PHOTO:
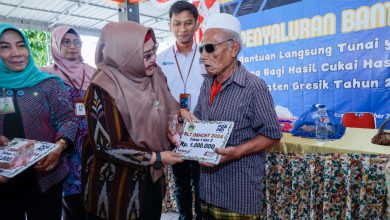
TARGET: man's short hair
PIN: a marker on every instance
(180, 6)
(233, 36)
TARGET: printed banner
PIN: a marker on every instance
(335, 53)
(205, 9)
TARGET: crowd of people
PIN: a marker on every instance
(112, 124)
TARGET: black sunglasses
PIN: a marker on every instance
(209, 48)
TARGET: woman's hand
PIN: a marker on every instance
(3, 140)
(167, 157)
(3, 179)
(51, 160)
(174, 134)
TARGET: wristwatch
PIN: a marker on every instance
(158, 164)
(63, 142)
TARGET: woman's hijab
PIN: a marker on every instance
(144, 102)
(72, 72)
(29, 77)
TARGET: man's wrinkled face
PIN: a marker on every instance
(221, 56)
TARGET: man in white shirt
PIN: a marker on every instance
(184, 70)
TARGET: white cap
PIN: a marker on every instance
(224, 21)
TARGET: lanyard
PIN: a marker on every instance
(71, 82)
(189, 70)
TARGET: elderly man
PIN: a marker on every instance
(232, 189)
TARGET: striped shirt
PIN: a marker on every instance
(244, 98)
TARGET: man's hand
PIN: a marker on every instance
(228, 154)
(3, 140)
(51, 160)
(252, 146)
(205, 164)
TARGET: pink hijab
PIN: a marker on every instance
(66, 69)
(144, 102)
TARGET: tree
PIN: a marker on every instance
(40, 46)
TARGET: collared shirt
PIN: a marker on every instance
(244, 99)
(166, 60)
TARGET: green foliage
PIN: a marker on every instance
(39, 46)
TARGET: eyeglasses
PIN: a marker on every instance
(68, 43)
(151, 52)
(209, 48)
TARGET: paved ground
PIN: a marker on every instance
(169, 216)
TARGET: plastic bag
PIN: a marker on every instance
(305, 125)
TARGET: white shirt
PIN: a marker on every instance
(166, 60)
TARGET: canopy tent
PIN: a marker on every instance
(87, 16)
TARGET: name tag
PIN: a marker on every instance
(79, 107)
(7, 105)
(185, 101)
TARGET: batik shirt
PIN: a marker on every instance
(46, 115)
(72, 184)
(113, 169)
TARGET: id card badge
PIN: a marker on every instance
(7, 105)
(79, 107)
(185, 101)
